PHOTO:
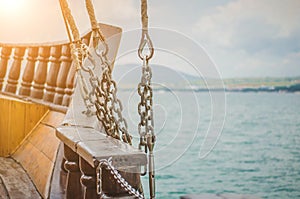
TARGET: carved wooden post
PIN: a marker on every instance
(29, 71)
(74, 188)
(41, 73)
(88, 179)
(14, 72)
(70, 86)
(5, 54)
(62, 74)
(53, 71)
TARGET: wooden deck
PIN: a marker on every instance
(15, 183)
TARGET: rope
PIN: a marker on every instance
(145, 39)
(144, 15)
(69, 22)
(93, 20)
(66, 23)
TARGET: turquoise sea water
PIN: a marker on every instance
(258, 152)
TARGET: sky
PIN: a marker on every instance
(244, 38)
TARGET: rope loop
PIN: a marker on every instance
(145, 39)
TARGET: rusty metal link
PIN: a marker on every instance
(146, 125)
(145, 109)
(107, 164)
(101, 92)
(109, 109)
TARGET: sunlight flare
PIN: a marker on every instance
(11, 6)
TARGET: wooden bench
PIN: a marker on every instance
(37, 82)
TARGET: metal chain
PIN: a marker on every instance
(109, 107)
(145, 107)
(107, 164)
(79, 53)
(146, 125)
(145, 110)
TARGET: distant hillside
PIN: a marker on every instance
(128, 76)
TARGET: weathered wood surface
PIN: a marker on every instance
(219, 196)
(84, 141)
(37, 154)
(3, 190)
(59, 178)
(16, 182)
(84, 148)
(73, 186)
(17, 119)
(93, 145)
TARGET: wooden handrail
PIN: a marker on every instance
(43, 72)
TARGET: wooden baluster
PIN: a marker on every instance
(14, 73)
(5, 54)
(52, 75)
(74, 188)
(70, 86)
(29, 71)
(88, 179)
(62, 74)
(41, 73)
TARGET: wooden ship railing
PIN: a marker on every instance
(37, 82)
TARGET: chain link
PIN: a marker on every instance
(146, 125)
(102, 93)
(109, 107)
(107, 164)
(145, 109)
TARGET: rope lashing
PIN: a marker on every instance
(97, 33)
(145, 39)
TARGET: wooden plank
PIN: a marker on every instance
(53, 118)
(16, 120)
(17, 124)
(38, 152)
(93, 145)
(34, 113)
(122, 154)
(38, 166)
(72, 135)
(5, 106)
(43, 139)
(3, 191)
(16, 181)
(59, 178)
